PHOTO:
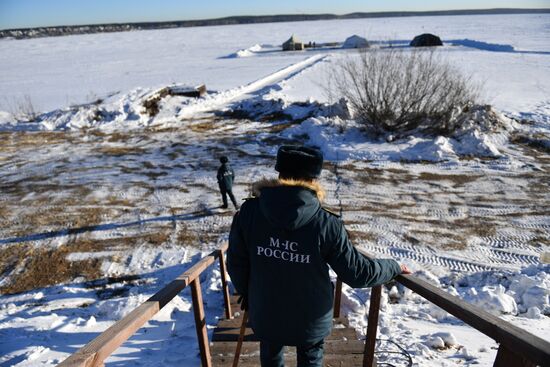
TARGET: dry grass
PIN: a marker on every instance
(360, 236)
(538, 185)
(277, 128)
(155, 175)
(174, 155)
(388, 209)
(200, 185)
(116, 201)
(376, 176)
(458, 179)
(444, 238)
(148, 165)
(163, 130)
(203, 127)
(535, 141)
(27, 267)
(4, 210)
(118, 137)
(155, 238)
(118, 151)
(212, 237)
(36, 268)
(24, 186)
(481, 228)
(349, 167)
(539, 241)
(470, 226)
(112, 137)
(186, 237)
(18, 140)
(59, 217)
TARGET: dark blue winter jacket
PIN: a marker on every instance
(225, 177)
(281, 245)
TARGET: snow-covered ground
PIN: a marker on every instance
(103, 189)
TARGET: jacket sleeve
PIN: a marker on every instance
(238, 263)
(219, 176)
(355, 269)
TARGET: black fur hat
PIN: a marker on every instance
(224, 159)
(299, 161)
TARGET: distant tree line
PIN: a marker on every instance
(120, 27)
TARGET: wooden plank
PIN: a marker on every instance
(225, 286)
(506, 357)
(329, 360)
(236, 322)
(228, 348)
(372, 326)
(100, 348)
(200, 323)
(536, 349)
(331, 347)
(241, 339)
(232, 334)
(337, 298)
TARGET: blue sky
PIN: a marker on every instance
(33, 13)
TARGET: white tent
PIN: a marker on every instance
(355, 42)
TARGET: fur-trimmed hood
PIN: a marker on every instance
(314, 186)
(288, 204)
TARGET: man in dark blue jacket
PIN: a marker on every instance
(225, 178)
(280, 247)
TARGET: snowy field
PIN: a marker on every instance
(102, 203)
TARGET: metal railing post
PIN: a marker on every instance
(225, 287)
(200, 323)
(372, 327)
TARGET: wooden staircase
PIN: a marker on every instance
(342, 348)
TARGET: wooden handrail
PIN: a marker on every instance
(517, 346)
(518, 340)
(99, 349)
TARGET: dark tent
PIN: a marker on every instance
(426, 40)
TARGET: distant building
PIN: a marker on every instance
(293, 44)
(426, 40)
(355, 42)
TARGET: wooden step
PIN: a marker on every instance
(237, 321)
(342, 349)
(330, 360)
(232, 334)
(331, 347)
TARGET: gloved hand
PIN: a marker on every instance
(244, 303)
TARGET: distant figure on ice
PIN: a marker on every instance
(225, 178)
(281, 244)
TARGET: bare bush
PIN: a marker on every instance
(393, 90)
(21, 108)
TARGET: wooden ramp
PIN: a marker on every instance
(342, 348)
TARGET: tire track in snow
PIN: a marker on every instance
(444, 261)
(509, 244)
